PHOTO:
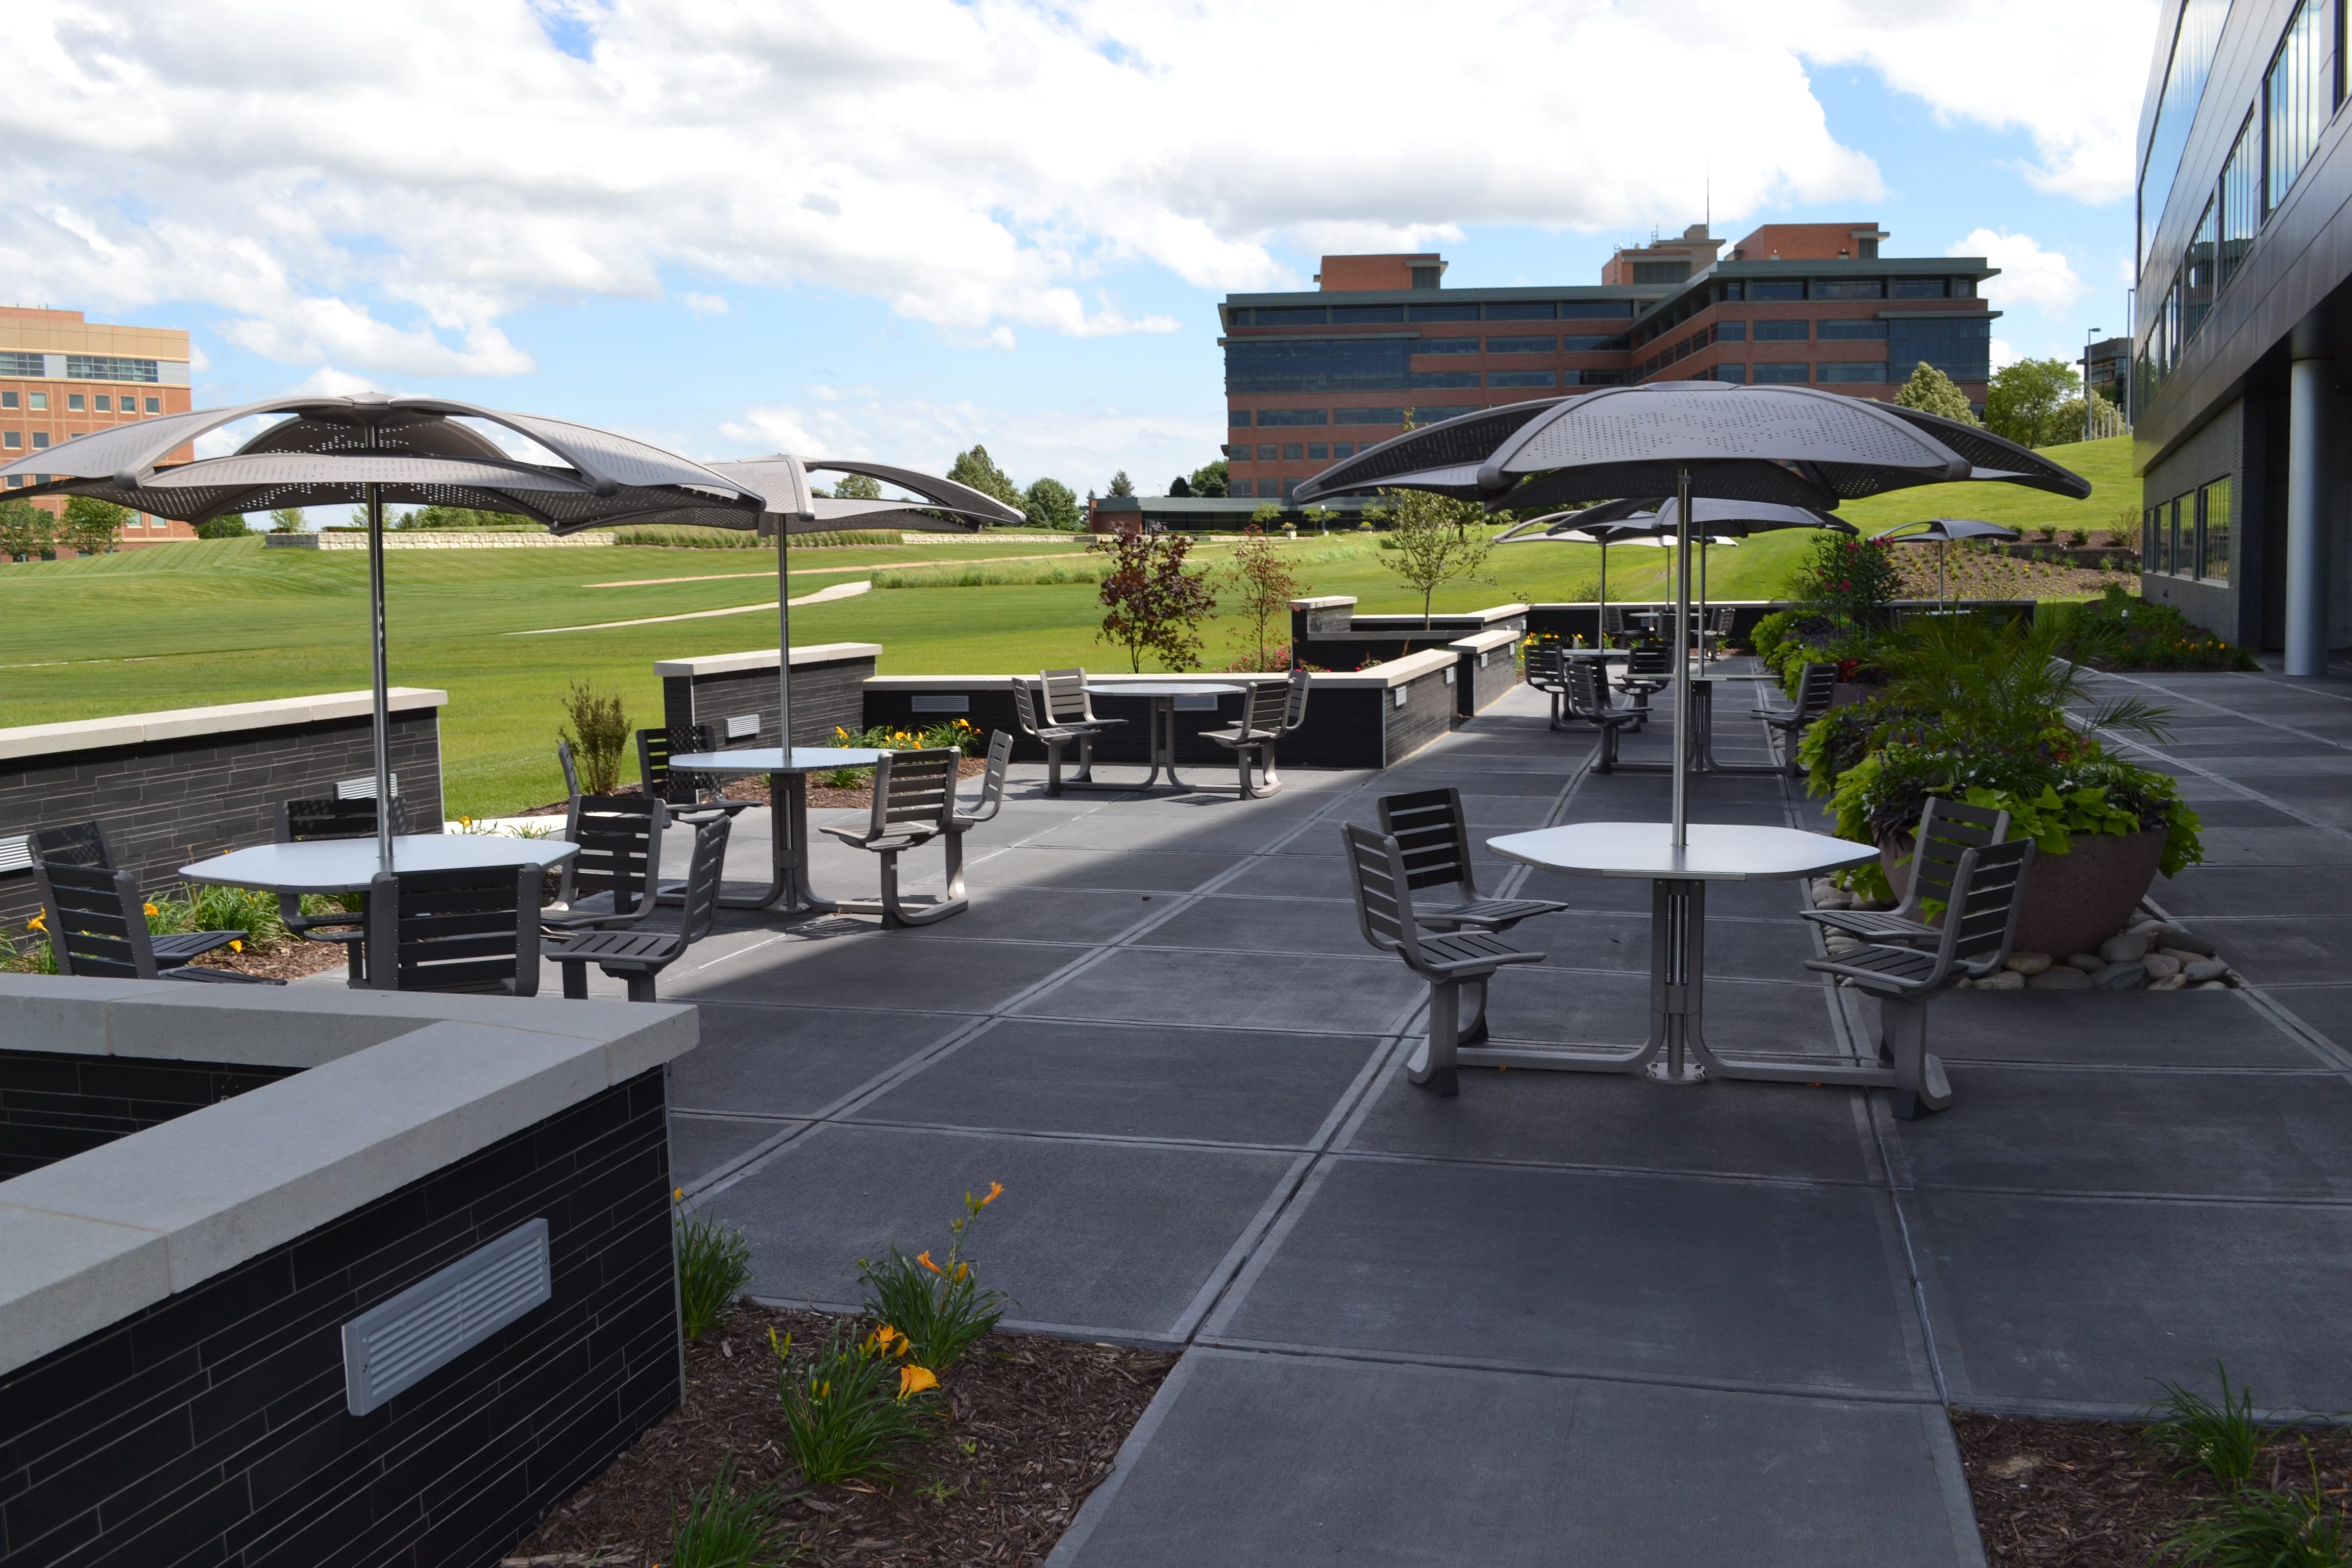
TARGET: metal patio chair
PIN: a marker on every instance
(1588, 700)
(1433, 835)
(1649, 669)
(991, 801)
(691, 797)
(455, 931)
(615, 880)
(914, 800)
(1056, 738)
(634, 954)
(1268, 712)
(1816, 689)
(1979, 924)
(1947, 829)
(331, 816)
(1456, 964)
(571, 772)
(1545, 669)
(96, 921)
(1067, 702)
(72, 844)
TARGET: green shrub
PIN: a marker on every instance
(1040, 574)
(940, 1307)
(685, 536)
(2120, 631)
(721, 1528)
(2255, 1526)
(851, 1409)
(600, 729)
(714, 1264)
(2220, 1438)
(32, 954)
(1851, 581)
(229, 527)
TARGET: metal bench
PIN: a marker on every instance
(1269, 712)
(1979, 926)
(455, 931)
(914, 799)
(1455, 964)
(1816, 689)
(1433, 835)
(634, 954)
(96, 921)
(1947, 829)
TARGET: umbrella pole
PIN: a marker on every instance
(382, 692)
(1601, 611)
(783, 639)
(1682, 656)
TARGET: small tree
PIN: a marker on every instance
(1211, 479)
(1179, 487)
(1149, 601)
(1316, 517)
(980, 471)
(598, 732)
(1930, 391)
(452, 519)
(1120, 485)
(1852, 581)
(1265, 582)
(1433, 541)
(93, 527)
(1267, 515)
(26, 530)
(1049, 503)
(229, 525)
(857, 486)
(2023, 402)
(286, 520)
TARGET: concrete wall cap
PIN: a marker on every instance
(181, 724)
(1479, 642)
(1327, 602)
(1402, 671)
(765, 658)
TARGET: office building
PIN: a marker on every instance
(1311, 377)
(61, 377)
(2244, 324)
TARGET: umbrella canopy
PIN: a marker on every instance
(370, 448)
(1942, 531)
(1789, 446)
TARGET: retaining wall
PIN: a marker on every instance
(735, 693)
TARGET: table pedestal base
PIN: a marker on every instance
(787, 891)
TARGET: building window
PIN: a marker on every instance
(7, 400)
(1265, 454)
(154, 405)
(1783, 332)
(2213, 506)
(1866, 370)
(1960, 347)
(1592, 378)
(1288, 485)
(1319, 452)
(1849, 332)
(1239, 418)
(1849, 289)
(1522, 378)
(107, 367)
(2148, 539)
(1441, 313)
(101, 402)
(2196, 33)
(13, 440)
(1342, 449)
(1777, 289)
(1448, 378)
(1731, 372)
(12, 362)
(1288, 316)
(1543, 311)
(1239, 488)
(1583, 345)
(1660, 272)
(1365, 313)
(1266, 417)
(1731, 331)
(1578, 309)
(1917, 288)
(38, 399)
(1292, 452)
(2196, 277)
(1367, 417)
(2242, 201)
(1531, 346)
(1446, 346)
(73, 403)
(1317, 365)
(1240, 452)
(1780, 373)
(2299, 93)
(1732, 290)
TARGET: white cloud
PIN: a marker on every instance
(2004, 352)
(2028, 274)
(703, 304)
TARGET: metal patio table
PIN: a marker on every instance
(1703, 758)
(1163, 695)
(788, 891)
(349, 865)
(1676, 1050)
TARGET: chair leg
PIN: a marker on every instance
(1920, 1084)
(1472, 1027)
(1431, 1066)
(895, 914)
(575, 980)
(1607, 762)
(1085, 760)
(1242, 770)
(955, 892)
(641, 987)
(1053, 769)
(1269, 782)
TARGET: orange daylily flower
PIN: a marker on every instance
(995, 1191)
(152, 909)
(963, 1271)
(924, 1259)
(915, 1379)
(39, 922)
(236, 947)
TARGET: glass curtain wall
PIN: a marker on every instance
(2242, 200)
(2193, 42)
(2299, 94)
(2213, 506)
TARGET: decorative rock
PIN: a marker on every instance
(2182, 955)
(2186, 940)
(2169, 983)
(1835, 898)
(2121, 977)
(2206, 970)
(2212, 985)
(2150, 927)
(2027, 962)
(2160, 967)
(1841, 945)
(1877, 906)
(2088, 963)
(2006, 980)
(2127, 948)
(2059, 979)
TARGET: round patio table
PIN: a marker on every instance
(788, 891)
(349, 865)
(1676, 1050)
(1163, 695)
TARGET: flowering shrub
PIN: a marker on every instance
(850, 1408)
(2120, 631)
(1849, 581)
(940, 1306)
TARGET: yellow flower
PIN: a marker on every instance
(821, 1390)
(680, 1195)
(924, 1259)
(878, 1341)
(236, 946)
(915, 1379)
(39, 922)
(963, 1271)
(152, 909)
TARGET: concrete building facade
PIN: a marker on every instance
(1312, 377)
(61, 376)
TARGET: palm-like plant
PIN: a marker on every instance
(2000, 684)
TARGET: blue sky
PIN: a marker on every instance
(1020, 236)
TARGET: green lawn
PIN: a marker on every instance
(228, 621)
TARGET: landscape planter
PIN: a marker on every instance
(2073, 901)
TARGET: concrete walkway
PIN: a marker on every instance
(1561, 1318)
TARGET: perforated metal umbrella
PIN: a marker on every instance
(1789, 445)
(370, 448)
(1940, 531)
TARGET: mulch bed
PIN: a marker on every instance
(2091, 1494)
(286, 960)
(1043, 1419)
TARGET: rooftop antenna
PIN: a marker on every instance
(1707, 218)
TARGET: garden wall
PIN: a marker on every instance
(828, 680)
(176, 786)
(174, 1384)
(1568, 621)
(1328, 634)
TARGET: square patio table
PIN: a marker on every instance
(1163, 695)
(788, 891)
(1676, 1050)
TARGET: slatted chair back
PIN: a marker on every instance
(702, 873)
(1432, 837)
(1816, 689)
(1546, 666)
(1587, 697)
(1024, 706)
(331, 816)
(620, 849)
(1947, 829)
(1065, 696)
(1294, 710)
(95, 920)
(1613, 620)
(571, 771)
(455, 931)
(1981, 920)
(1650, 660)
(991, 783)
(914, 792)
(1265, 707)
(1720, 619)
(71, 843)
(653, 763)
(1383, 890)
(654, 749)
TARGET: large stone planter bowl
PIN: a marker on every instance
(2073, 901)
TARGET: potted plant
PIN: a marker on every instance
(1977, 711)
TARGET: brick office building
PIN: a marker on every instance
(1313, 377)
(61, 377)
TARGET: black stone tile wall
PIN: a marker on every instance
(823, 696)
(1479, 685)
(1427, 714)
(211, 1427)
(54, 1105)
(167, 802)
